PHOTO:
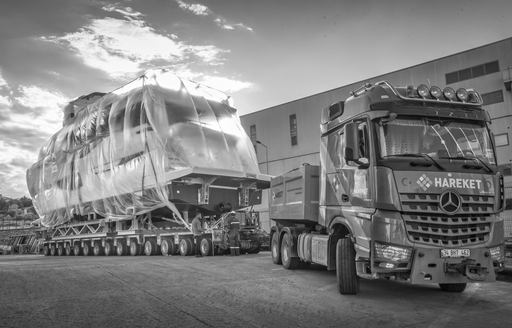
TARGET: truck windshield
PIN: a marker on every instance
(435, 138)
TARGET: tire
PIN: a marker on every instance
(206, 247)
(347, 279)
(77, 250)
(68, 250)
(121, 247)
(53, 250)
(86, 249)
(150, 247)
(109, 248)
(166, 247)
(289, 262)
(60, 250)
(46, 250)
(274, 248)
(453, 288)
(97, 249)
(185, 247)
(134, 248)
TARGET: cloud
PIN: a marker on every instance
(202, 10)
(126, 11)
(3, 82)
(30, 115)
(225, 84)
(196, 8)
(123, 47)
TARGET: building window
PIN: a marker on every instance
(252, 135)
(293, 129)
(505, 169)
(472, 72)
(501, 139)
(493, 97)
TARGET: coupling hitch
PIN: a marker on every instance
(468, 268)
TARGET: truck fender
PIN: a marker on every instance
(339, 228)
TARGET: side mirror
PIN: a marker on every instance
(352, 143)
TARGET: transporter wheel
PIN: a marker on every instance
(86, 249)
(347, 279)
(150, 247)
(167, 247)
(53, 250)
(453, 288)
(77, 250)
(206, 247)
(121, 247)
(60, 250)
(67, 249)
(109, 248)
(289, 262)
(46, 250)
(134, 248)
(274, 247)
(185, 247)
(97, 249)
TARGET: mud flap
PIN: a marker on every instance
(469, 269)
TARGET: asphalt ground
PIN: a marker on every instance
(224, 291)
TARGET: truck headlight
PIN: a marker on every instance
(496, 253)
(392, 253)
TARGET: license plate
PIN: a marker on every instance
(458, 252)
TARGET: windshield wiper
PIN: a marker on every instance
(467, 158)
(419, 155)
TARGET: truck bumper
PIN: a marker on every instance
(428, 266)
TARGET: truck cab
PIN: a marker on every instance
(408, 183)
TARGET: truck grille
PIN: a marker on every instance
(427, 223)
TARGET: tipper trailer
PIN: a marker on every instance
(128, 166)
(407, 188)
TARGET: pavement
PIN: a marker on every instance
(224, 291)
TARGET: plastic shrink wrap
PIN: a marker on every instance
(159, 142)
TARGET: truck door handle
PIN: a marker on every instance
(345, 198)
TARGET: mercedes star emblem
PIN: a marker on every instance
(450, 202)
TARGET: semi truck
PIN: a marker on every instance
(407, 189)
(127, 167)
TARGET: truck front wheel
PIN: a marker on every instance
(289, 262)
(348, 282)
(453, 288)
(274, 246)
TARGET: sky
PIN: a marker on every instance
(261, 52)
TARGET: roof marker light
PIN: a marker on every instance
(436, 92)
(449, 93)
(423, 91)
(462, 94)
(473, 96)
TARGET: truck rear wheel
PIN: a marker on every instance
(109, 248)
(453, 288)
(97, 249)
(121, 247)
(53, 250)
(134, 248)
(86, 249)
(206, 247)
(185, 247)
(77, 250)
(67, 249)
(289, 262)
(348, 282)
(274, 246)
(150, 247)
(60, 250)
(46, 250)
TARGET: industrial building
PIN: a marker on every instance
(288, 135)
